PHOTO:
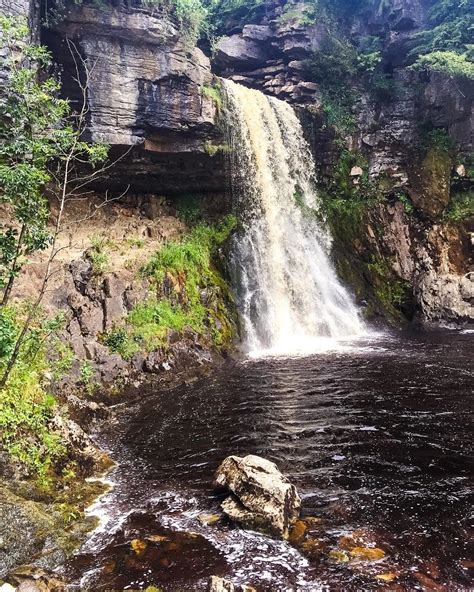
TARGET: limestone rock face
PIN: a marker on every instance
(430, 183)
(262, 498)
(144, 81)
(146, 92)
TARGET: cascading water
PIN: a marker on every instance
(289, 297)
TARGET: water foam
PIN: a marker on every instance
(289, 296)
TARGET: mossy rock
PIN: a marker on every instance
(430, 182)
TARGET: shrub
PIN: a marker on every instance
(97, 254)
(449, 63)
(26, 408)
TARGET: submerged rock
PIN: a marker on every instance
(262, 497)
(209, 519)
(217, 584)
(35, 579)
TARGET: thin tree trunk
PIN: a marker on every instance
(32, 313)
(11, 279)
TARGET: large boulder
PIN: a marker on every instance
(262, 498)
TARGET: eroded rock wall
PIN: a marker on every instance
(151, 91)
(146, 96)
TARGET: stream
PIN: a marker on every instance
(375, 434)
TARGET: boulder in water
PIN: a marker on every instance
(262, 497)
(217, 584)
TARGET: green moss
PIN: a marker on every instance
(189, 293)
(212, 149)
(392, 292)
(214, 93)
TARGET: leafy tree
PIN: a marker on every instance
(446, 46)
(449, 63)
(43, 159)
(30, 118)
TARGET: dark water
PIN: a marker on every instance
(377, 439)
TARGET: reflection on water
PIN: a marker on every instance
(375, 439)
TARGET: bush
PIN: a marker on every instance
(26, 408)
(449, 63)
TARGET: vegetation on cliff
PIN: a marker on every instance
(187, 293)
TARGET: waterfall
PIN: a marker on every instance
(289, 297)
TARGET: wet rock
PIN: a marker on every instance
(79, 445)
(34, 579)
(217, 584)
(313, 548)
(386, 577)
(298, 531)
(428, 584)
(209, 519)
(367, 553)
(262, 498)
(20, 520)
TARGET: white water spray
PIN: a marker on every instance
(289, 297)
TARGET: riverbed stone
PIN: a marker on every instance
(262, 498)
(217, 584)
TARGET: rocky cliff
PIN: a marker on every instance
(380, 146)
(393, 173)
(155, 98)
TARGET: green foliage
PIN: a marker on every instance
(188, 208)
(298, 14)
(192, 16)
(461, 207)
(26, 408)
(333, 64)
(337, 108)
(406, 201)
(86, 372)
(190, 293)
(97, 254)
(8, 332)
(30, 114)
(449, 63)
(214, 93)
(226, 14)
(62, 359)
(391, 291)
(446, 45)
(37, 133)
(436, 138)
(450, 27)
(383, 88)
